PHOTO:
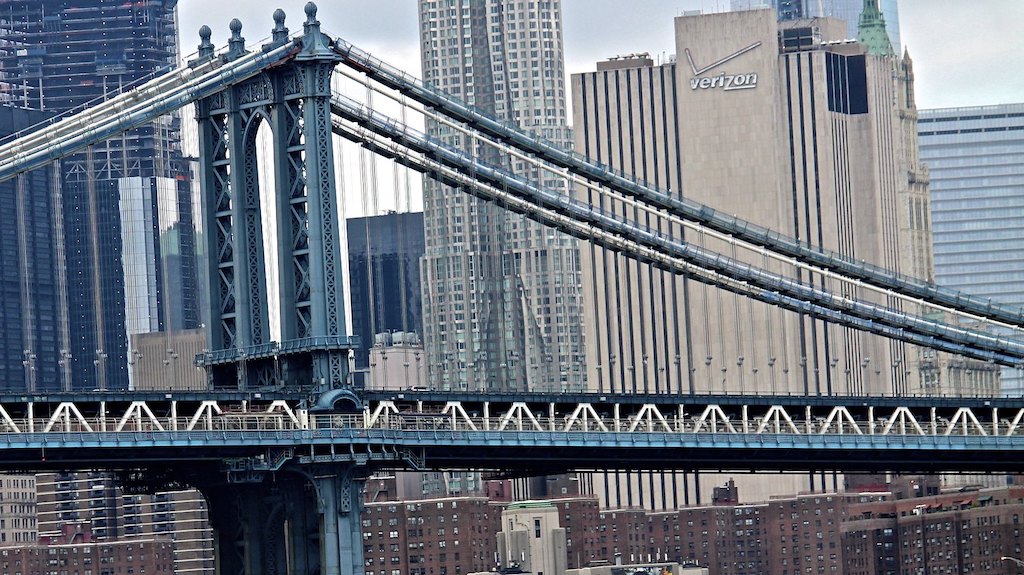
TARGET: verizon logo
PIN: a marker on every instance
(723, 80)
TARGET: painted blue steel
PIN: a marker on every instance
(130, 110)
(271, 349)
(522, 449)
(676, 205)
(775, 289)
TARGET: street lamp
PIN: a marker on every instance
(1013, 560)
(172, 366)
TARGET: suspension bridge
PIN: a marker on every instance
(281, 426)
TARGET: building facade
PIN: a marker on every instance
(34, 338)
(909, 526)
(65, 500)
(791, 127)
(449, 536)
(531, 538)
(73, 551)
(384, 255)
(17, 510)
(501, 294)
(975, 159)
(166, 360)
(128, 233)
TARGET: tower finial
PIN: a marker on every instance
(280, 33)
(236, 44)
(205, 45)
(314, 43)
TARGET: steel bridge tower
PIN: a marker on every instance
(268, 519)
(293, 99)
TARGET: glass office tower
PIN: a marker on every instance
(975, 158)
(128, 233)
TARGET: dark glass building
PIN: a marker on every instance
(129, 240)
(384, 264)
(33, 310)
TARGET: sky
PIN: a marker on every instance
(965, 52)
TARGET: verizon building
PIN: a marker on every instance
(792, 127)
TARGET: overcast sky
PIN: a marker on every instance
(965, 53)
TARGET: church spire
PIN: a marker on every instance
(871, 30)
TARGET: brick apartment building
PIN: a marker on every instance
(73, 551)
(958, 532)
(449, 536)
(909, 528)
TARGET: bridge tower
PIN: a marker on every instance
(272, 515)
(293, 99)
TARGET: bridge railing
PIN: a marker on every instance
(541, 414)
(685, 425)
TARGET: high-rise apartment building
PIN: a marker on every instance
(17, 510)
(792, 127)
(501, 294)
(34, 340)
(975, 158)
(128, 234)
(848, 11)
(113, 515)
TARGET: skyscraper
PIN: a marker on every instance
(384, 255)
(501, 294)
(33, 300)
(847, 10)
(975, 158)
(791, 127)
(128, 234)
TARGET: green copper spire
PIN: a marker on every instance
(871, 30)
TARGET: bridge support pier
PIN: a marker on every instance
(295, 521)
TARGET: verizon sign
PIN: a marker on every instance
(723, 80)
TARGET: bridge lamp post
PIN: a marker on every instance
(134, 356)
(30, 369)
(65, 369)
(101, 374)
(172, 367)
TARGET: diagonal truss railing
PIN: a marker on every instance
(689, 210)
(453, 166)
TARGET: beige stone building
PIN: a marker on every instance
(398, 362)
(791, 127)
(165, 360)
(531, 538)
(17, 510)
